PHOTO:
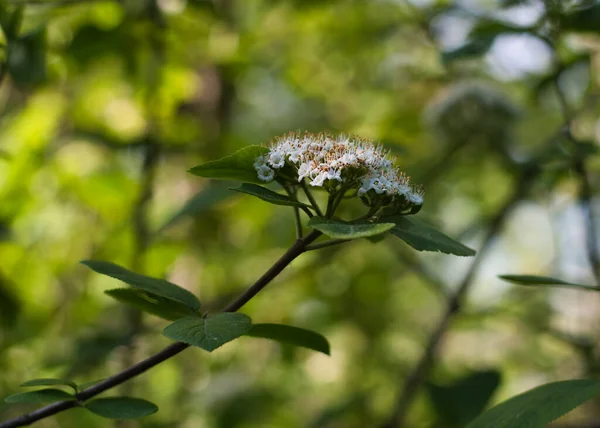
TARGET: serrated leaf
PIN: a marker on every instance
(460, 402)
(202, 201)
(121, 407)
(424, 237)
(156, 286)
(538, 407)
(42, 396)
(48, 382)
(268, 195)
(342, 230)
(238, 166)
(209, 333)
(545, 280)
(151, 303)
(291, 335)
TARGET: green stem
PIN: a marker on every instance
(293, 194)
(311, 198)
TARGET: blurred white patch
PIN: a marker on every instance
(518, 55)
(451, 30)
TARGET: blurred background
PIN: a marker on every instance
(492, 105)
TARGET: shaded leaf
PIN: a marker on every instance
(424, 237)
(238, 166)
(460, 402)
(209, 333)
(342, 230)
(26, 58)
(545, 280)
(469, 50)
(121, 407)
(291, 335)
(156, 286)
(538, 407)
(10, 306)
(42, 396)
(268, 195)
(49, 381)
(151, 303)
(214, 193)
(86, 385)
(582, 19)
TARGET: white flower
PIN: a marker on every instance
(326, 159)
(265, 173)
(276, 159)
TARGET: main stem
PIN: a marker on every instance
(170, 351)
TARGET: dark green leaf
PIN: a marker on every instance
(121, 407)
(26, 58)
(209, 333)
(156, 286)
(538, 407)
(49, 381)
(86, 385)
(342, 230)
(582, 19)
(292, 335)
(469, 50)
(460, 402)
(151, 303)
(268, 195)
(214, 193)
(424, 237)
(10, 306)
(238, 166)
(41, 396)
(545, 280)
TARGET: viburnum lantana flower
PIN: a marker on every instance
(340, 164)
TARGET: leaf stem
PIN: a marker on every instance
(294, 195)
(324, 244)
(170, 351)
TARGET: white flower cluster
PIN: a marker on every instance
(327, 160)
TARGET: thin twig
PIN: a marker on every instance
(311, 198)
(420, 372)
(325, 244)
(293, 194)
(170, 351)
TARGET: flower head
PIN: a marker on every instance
(340, 163)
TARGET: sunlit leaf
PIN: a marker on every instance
(156, 286)
(151, 303)
(424, 237)
(342, 230)
(546, 281)
(268, 195)
(209, 333)
(291, 335)
(42, 396)
(538, 407)
(238, 166)
(121, 407)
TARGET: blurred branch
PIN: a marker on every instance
(420, 372)
(170, 351)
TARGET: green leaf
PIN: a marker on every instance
(582, 19)
(460, 402)
(292, 335)
(49, 381)
(268, 195)
(211, 195)
(209, 333)
(42, 396)
(545, 280)
(121, 407)
(26, 58)
(538, 407)
(424, 237)
(469, 50)
(151, 303)
(238, 166)
(342, 230)
(86, 385)
(156, 286)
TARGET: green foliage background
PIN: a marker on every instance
(105, 106)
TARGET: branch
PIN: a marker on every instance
(420, 372)
(170, 351)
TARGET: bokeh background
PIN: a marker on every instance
(105, 104)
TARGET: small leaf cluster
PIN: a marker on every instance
(109, 407)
